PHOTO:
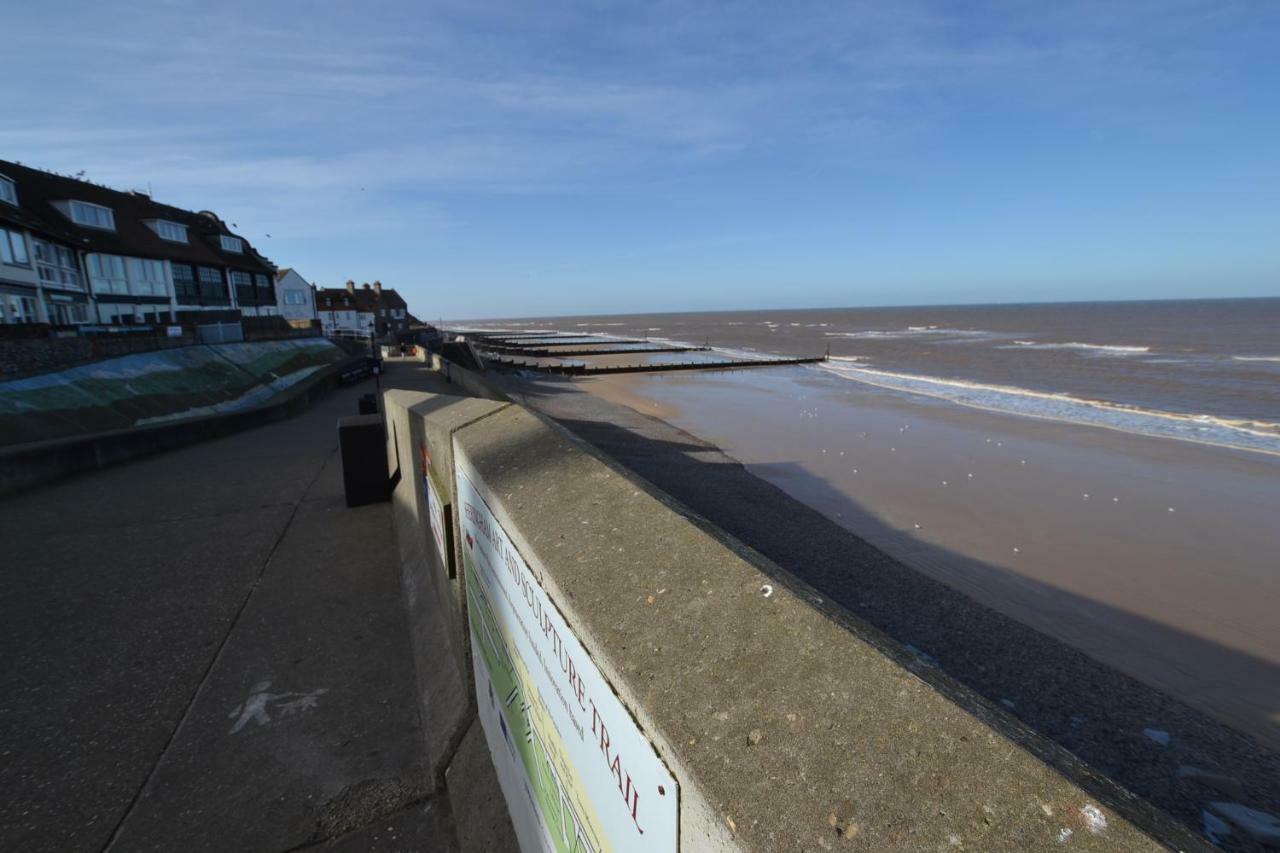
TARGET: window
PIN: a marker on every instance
(212, 287)
(67, 313)
(147, 277)
(93, 215)
(13, 248)
(8, 190)
(171, 231)
(295, 297)
(231, 244)
(243, 283)
(56, 265)
(22, 309)
(184, 283)
(107, 274)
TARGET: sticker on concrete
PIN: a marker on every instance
(263, 707)
(577, 772)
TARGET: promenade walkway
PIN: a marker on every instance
(206, 650)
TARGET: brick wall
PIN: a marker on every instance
(26, 356)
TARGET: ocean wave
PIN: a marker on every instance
(1252, 435)
(1268, 358)
(914, 332)
(1113, 349)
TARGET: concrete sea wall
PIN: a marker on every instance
(637, 680)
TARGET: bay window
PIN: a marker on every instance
(107, 274)
(147, 277)
(56, 265)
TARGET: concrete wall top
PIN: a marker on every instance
(440, 415)
(787, 727)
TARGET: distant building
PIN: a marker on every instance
(295, 296)
(82, 253)
(369, 308)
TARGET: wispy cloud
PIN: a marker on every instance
(373, 118)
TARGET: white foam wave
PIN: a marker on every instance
(1114, 349)
(914, 332)
(1258, 436)
(1268, 358)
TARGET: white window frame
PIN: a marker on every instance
(14, 241)
(8, 190)
(79, 208)
(146, 277)
(109, 274)
(231, 244)
(178, 231)
(56, 265)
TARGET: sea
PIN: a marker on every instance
(1199, 370)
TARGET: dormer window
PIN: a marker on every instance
(8, 191)
(93, 215)
(172, 231)
(231, 244)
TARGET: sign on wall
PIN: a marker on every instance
(577, 772)
(436, 520)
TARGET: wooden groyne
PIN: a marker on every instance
(585, 340)
(600, 370)
(549, 353)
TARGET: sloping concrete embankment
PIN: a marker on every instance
(97, 414)
(787, 724)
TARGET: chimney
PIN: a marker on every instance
(377, 287)
(351, 286)
(366, 285)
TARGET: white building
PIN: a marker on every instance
(295, 297)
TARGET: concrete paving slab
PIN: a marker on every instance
(424, 828)
(307, 725)
(106, 636)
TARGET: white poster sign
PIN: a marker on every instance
(578, 774)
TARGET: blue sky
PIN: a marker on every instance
(519, 158)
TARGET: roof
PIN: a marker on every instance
(39, 190)
(364, 299)
(282, 272)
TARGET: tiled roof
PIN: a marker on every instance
(364, 299)
(39, 190)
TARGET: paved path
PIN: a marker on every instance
(206, 650)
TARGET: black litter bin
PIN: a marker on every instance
(363, 445)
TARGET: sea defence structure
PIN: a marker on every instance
(642, 681)
(499, 349)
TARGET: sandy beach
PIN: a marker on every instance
(1155, 556)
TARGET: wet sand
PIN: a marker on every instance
(1155, 556)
